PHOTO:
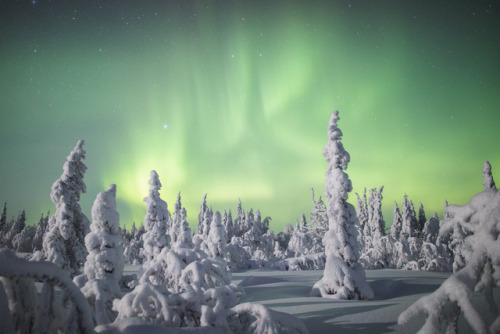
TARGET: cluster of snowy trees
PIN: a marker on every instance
(183, 281)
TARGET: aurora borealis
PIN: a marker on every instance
(233, 98)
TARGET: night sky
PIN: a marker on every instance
(233, 99)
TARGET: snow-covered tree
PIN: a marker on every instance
(409, 224)
(239, 221)
(64, 241)
(156, 221)
(41, 228)
(227, 221)
(105, 262)
(442, 308)
(431, 229)
(133, 251)
(23, 241)
(421, 218)
(202, 215)
(217, 238)
(488, 181)
(363, 226)
(375, 217)
(180, 233)
(397, 222)
(15, 229)
(343, 277)
(318, 217)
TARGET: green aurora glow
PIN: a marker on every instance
(233, 98)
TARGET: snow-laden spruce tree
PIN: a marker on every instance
(64, 241)
(363, 226)
(156, 220)
(100, 282)
(343, 277)
(481, 251)
(15, 229)
(318, 217)
(397, 222)
(180, 233)
(41, 227)
(488, 181)
(227, 221)
(217, 239)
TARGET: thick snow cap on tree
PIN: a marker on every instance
(105, 262)
(344, 277)
(156, 220)
(64, 242)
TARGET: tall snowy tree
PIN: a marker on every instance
(343, 277)
(318, 217)
(376, 219)
(409, 220)
(201, 216)
(364, 228)
(105, 262)
(397, 222)
(15, 229)
(156, 220)
(421, 218)
(227, 221)
(488, 182)
(64, 241)
(180, 233)
(41, 227)
(217, 238)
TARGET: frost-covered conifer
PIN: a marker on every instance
(217, 238)
(105, 262)
(488, 181)
(431, 229)
(397, 222)
(409, 225)
(180, 232)
(421, 219)
(376, 219)
(15, 229)
(343, 277)
(239, 221)
(64, 241)
(201, 215)
(156, 220)
(363, 226)
(41, 228)
(23, 241)
(134, 251)
(227, 221)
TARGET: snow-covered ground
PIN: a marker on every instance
(395, 290)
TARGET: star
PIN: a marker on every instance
(165, 126)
